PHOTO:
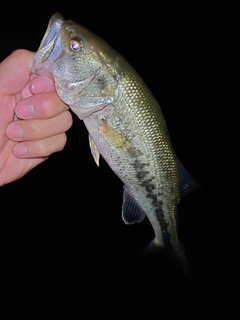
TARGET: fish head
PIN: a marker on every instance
(81, 63)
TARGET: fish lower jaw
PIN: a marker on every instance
(40, 70)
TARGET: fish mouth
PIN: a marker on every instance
(50, 47)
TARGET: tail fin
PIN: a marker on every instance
(178, 257)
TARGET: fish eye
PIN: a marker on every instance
(76, 45)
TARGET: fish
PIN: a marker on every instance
(125, 126)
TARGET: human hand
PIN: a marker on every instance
(33, 120)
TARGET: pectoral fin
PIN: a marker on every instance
(94, 150)
(115, 138)
(131, 212)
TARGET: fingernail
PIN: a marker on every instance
(20, 150)
(14, 131)
(41, 84)
(24, 110)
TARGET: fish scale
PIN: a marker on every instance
(146, 152)
(125, 125)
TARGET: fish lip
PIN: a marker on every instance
(50, 47)
(53, 28)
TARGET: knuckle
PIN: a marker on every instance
(42, 149)
(47, 107)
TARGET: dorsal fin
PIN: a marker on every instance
(131, 211)
(187, 183)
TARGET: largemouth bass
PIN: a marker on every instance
(125, 125)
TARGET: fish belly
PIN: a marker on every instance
(141, 168)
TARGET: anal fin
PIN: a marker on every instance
(131, 211)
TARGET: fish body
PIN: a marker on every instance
(124, 121)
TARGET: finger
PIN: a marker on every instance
(16, 66)
(40, 148)
(38, 129)
(41, 106)
(40, 84)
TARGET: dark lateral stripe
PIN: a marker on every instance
(146, 180)
(161, 219)
(164, 228)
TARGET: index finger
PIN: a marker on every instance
(39, 84)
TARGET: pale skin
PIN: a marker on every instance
(33, 120)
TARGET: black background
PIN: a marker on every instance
(61, 223)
